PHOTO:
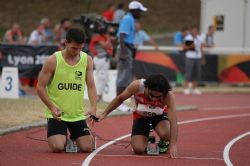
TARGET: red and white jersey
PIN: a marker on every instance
(144, 107)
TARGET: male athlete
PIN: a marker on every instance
(154, 104)
(61, 86)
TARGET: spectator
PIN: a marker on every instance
(119, 13)
(141, 36)
(37, 36)
(65, 26)
(208, 38)
(14, 35)
(179, 37)
(56, 33)
(101, 46)
(194, 59)
(108, 14)
(47, 31)
(126, 48)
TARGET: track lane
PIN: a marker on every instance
(201, 155)
(16, 149)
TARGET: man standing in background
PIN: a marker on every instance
(179, 36)
(126, 47)
(194, 59)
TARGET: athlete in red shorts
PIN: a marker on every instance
(154, 104)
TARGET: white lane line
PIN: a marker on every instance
(224, 108)
(213, 118)
(91, 155)
(200, 158)
(229, 145)
(147, 156)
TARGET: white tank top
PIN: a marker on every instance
(144, 107)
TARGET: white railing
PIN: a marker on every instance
(215, 50)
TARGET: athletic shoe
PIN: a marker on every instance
(123, 108)
(187, 91)
(71, 146)
(196, 91)
(163, 146)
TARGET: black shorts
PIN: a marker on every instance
(76, 129)
(141, 125)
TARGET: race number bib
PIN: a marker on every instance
(148, 110)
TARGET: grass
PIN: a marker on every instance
(21, 111)
(26, 110)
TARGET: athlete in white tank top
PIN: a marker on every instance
(153, 97)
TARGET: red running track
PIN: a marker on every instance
(205, 135)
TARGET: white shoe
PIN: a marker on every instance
(123, 108)
(187, 91)
(196, 91)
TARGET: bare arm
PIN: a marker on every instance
(91, 86)
(9, 38)
(173, 124)
(128, 92)
(106, 44)
(44, 77)
(152, 42)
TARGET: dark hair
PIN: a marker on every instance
(210, 27)
(195, 27)
(64, 20)
(75, 34)
(157, 82)
(120, 6)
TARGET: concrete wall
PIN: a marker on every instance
(236, 32)
(247, 36)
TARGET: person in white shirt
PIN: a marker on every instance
(37, 36)
(193, 48)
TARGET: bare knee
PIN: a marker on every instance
(56, 147)
(139, 144)
(85, 144)
(86, 149)
(57, 143)
(138, 149)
